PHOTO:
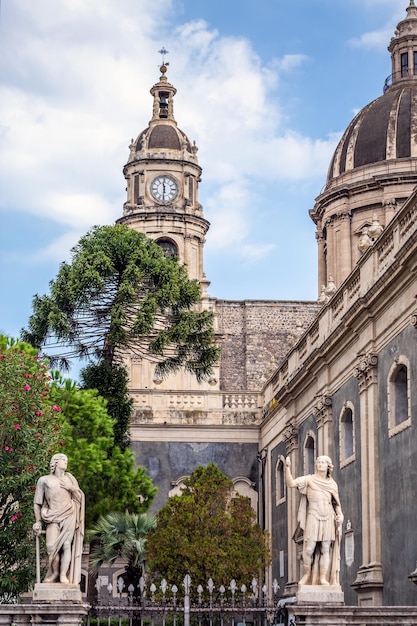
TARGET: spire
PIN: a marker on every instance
(163, 94)
(403, 48)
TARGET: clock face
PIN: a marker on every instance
(164, 188)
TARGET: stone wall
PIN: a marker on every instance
(255, 336)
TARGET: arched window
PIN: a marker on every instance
(309, 454)
(399, 398)
(347, 434)
(279, 483)
(168, 246)
(245, 487)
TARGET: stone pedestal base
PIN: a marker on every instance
(323, 594)
(56, 592)
(369, 584)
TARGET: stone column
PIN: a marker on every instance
(324, 419)
(291, 449)
(369, 580)
(322, 278)
(344, 255)
(390, 207)
(331, 252)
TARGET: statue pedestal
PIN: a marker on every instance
(323, 594)
(56, 592)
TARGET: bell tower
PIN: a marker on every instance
(163, 176)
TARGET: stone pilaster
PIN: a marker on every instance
(369, 579)
(323, 414)
(291, 448)
(322, 277)
(344, 263)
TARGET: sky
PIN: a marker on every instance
(264, 87)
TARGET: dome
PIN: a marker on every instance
(374, 167)
(163, 137)
(384, 130)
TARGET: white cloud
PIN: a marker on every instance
(59, 249)
(374, 39)
(75, 88)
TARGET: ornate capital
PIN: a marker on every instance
(323, 410)
(290, 436)
(413, 319)
(390, 204)
(366, 371)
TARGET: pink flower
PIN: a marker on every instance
(37, 435)
(38, 413)
(26, 387)
(6, 448)
(16, 426)
(54, 407)
(28, 375)
(14, 518)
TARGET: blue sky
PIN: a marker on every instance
(265, 88)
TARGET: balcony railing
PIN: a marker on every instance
(404, 74)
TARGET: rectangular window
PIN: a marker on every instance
(404, 64)
(415, 62)
(136, 189)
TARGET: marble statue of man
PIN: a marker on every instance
(59, 503)
(320, 517)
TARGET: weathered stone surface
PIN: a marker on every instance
(56, 592)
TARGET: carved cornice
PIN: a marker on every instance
(322, 410)
(290, 436)
(338, 217)
(366, 371)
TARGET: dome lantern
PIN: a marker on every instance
(403, 48)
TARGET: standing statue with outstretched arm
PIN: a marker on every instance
(59, 503)
(320, 517)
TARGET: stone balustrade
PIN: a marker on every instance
(378, 264)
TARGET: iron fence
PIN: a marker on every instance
(166, 605)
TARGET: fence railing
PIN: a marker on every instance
(168, 605)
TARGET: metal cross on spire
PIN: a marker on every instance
(163, 52)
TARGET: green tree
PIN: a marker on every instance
(107, 475)
(112, 383)
(121, 292)
(121, 535)
(30, 433)
(208, 531)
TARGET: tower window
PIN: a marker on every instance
(163, 104)
(168, 246)
(404, 64)
(415, 62)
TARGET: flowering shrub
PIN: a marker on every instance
(29, 435)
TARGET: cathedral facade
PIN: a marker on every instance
(333, 377)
